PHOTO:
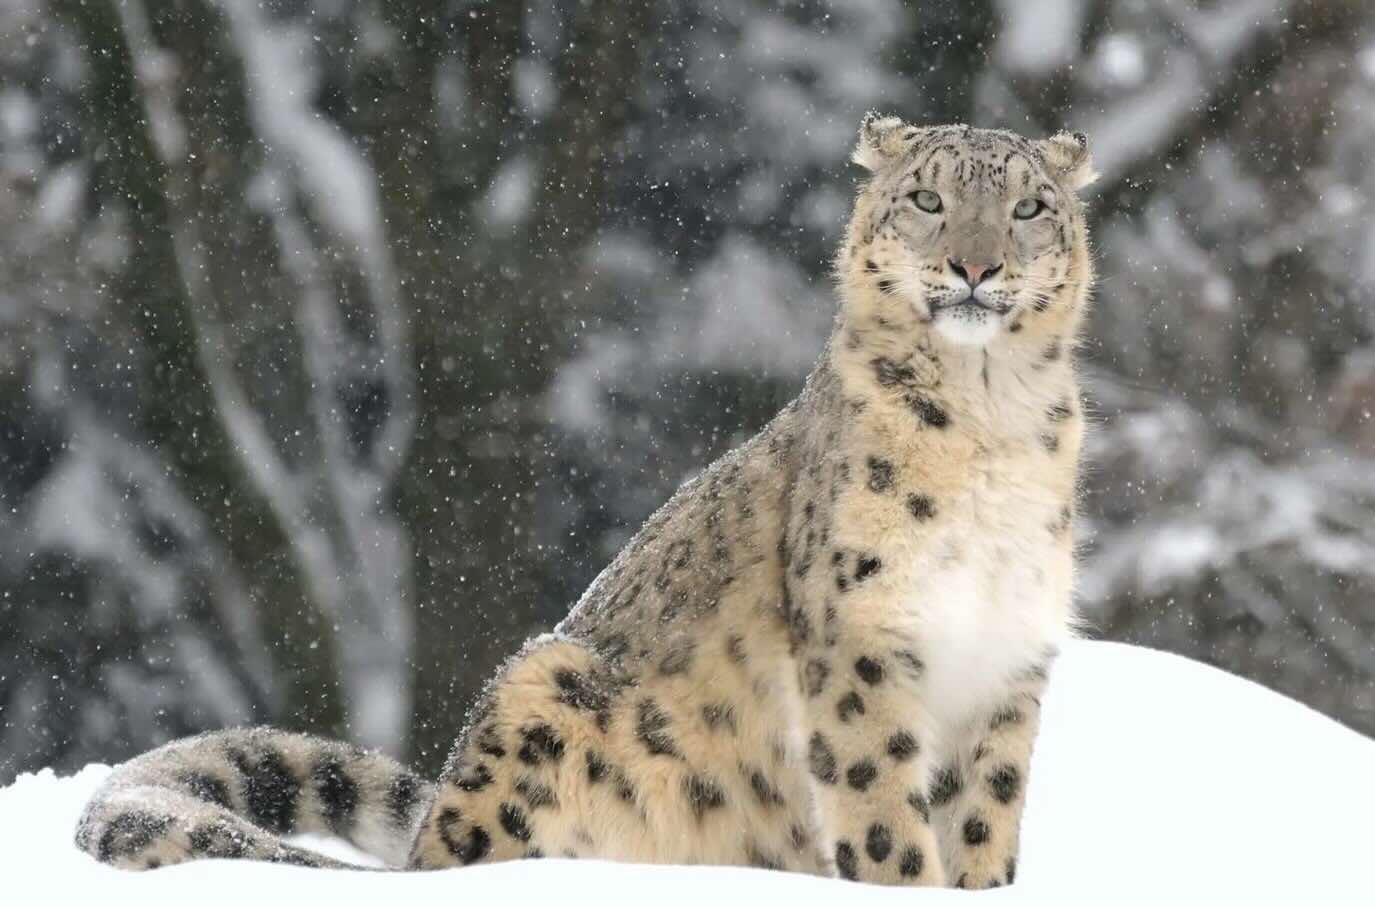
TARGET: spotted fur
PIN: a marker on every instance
(826, 653)
(234, 794)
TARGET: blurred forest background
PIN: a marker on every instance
(342, 342)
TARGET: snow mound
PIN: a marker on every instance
(1154, 776)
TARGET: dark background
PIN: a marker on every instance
(343, 342)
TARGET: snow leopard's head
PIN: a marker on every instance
(976, 235)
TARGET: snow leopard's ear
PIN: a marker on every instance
(1067, 154)
(882, 140)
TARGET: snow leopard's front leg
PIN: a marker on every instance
(870, 765)
(978, 799)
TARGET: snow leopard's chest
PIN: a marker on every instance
(987, 594)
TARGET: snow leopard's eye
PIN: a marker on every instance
(927, 200)
(1028, 208)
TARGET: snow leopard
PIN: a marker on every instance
(825, 653)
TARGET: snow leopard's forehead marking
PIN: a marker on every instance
(980, 160)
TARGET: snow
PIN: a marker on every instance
(60, 197)
(1154, 776)
(1366, 60)
(1038, 37)
(1151, 117)
(1121, 59)
(728, 319)
(511, 195)
(19, 115)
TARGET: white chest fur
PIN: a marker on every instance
(987, 594)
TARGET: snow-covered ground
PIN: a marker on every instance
(1155, 777)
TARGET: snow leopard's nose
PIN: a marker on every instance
(972, 273)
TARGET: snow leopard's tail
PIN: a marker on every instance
(237, 793)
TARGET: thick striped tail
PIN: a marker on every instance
(236, 793)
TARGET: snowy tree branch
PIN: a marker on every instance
(360, 581)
